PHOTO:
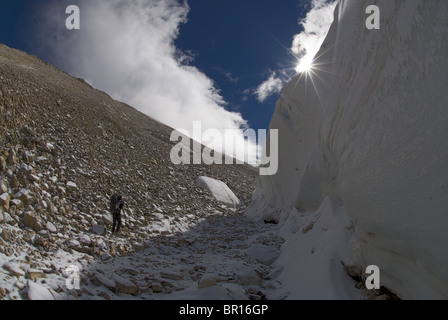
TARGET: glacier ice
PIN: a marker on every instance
(363, 144)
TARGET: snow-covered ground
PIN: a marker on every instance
(225, 256)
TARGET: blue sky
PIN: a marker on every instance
(242, 43)
(221, 62)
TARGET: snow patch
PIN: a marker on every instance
(220, 191)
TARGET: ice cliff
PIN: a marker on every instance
(363, 156)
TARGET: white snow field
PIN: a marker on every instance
(363, 157)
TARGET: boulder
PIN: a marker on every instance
(18, 204)
(5, 217)
(5, 201)
(3, 186)
(125, 286)
(51, 227)
(25, 195)
(102, 246)
(32, 221)
(85, 240)
(100, 280)
(220, 191)
(35, 291)
(71, 186)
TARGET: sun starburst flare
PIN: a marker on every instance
(305, 65)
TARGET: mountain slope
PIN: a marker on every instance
(363, 156)
(65, 148)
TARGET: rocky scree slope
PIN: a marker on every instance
(66, 147)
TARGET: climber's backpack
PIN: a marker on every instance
(115, 202)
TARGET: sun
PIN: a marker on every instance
(304, 65)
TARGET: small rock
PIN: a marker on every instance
(101, 245)
(157, 288)
(17, 203)
(14, 269)
(3, 186)
(74, 244)
(25, 195)
(138, 246)
(271, 220)
(2, 163)
(207, 280)
(107, 220)
(49, 146)
(247, 276)
(12, 158)
(252, 290)
(52, 208)
(6, 234)
(34, 178)
(171, 275)
(41, 159)
(71, 186)
(105, 256)
(61, 190)
(85, 240)
(34, 274)
(51, 227)
(4, 201)
(98, 230)
(104, 295)
(40, 241)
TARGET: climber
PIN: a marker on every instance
(116, 205)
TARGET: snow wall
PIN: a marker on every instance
(363, 156)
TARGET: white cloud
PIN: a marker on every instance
(126, 48)
(272, 85)
(316, 25)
